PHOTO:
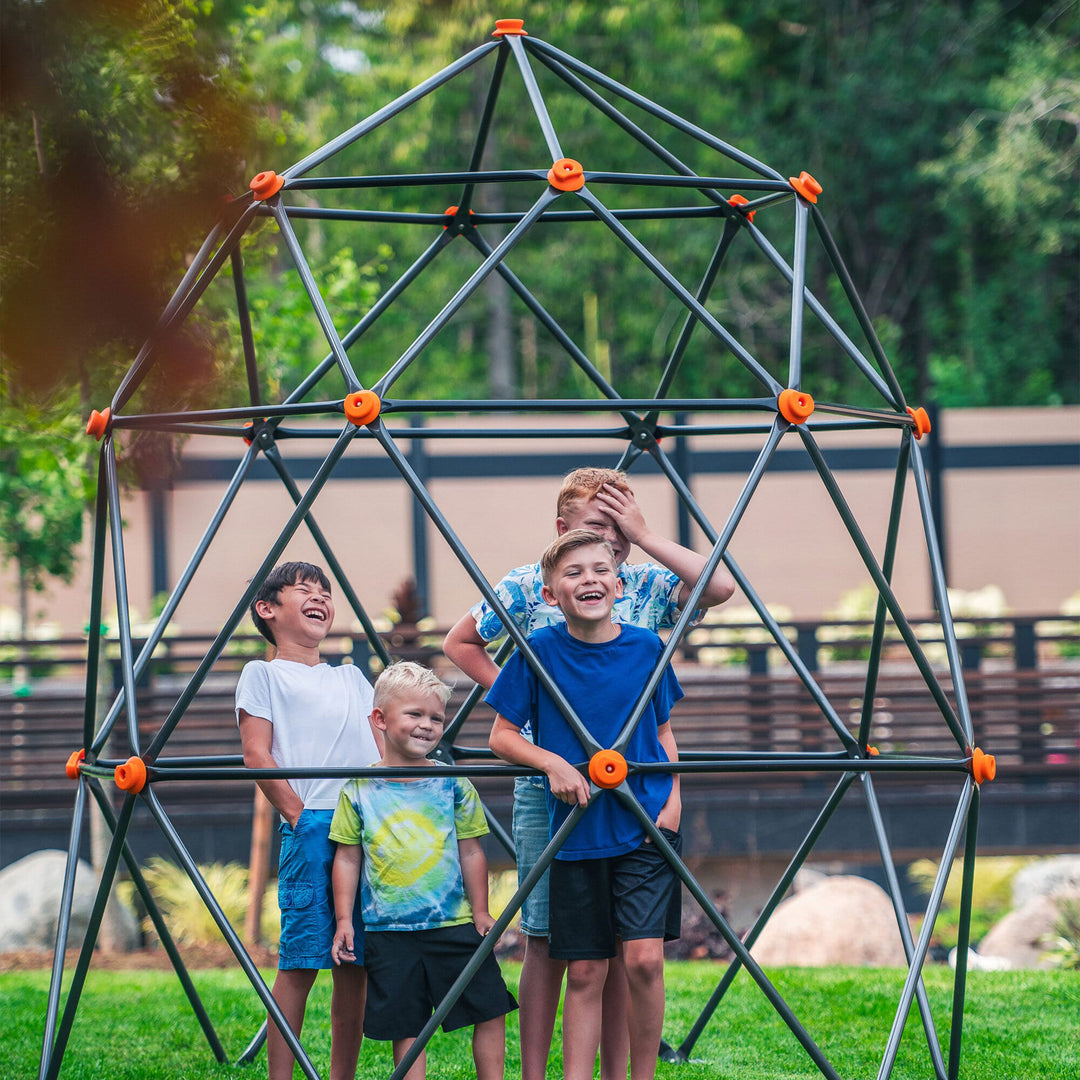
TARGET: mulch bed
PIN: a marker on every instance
(195, 957)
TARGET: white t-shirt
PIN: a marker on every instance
(320, 718)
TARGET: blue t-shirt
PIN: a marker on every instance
(410, 874)
(602, 682)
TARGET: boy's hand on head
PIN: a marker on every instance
(342, 949)
(567, 784)
(624, 511)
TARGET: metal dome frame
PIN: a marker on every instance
(785, 407)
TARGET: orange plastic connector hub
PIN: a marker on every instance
(607, 768)
(742, 200)
(983, 766)
(806, 186)
(566, 175)
(265, 184)
(922, 421)
(72, 766)
(98, 423)
(450, 211)
(504, 27)
(795, 406)
(131, 776)
(363, 407)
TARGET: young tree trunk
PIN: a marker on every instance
(110, 936)
(262, 832)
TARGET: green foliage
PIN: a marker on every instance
(185, 914)
(991, 896)
(1063, 946)
(121, 127)
(44, 490)
(944, 134)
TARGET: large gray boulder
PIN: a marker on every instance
(1045, 877)
(30, 892)
(841, 920)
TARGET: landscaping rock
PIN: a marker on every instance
(30, 902)
(842, 920)
(1020, 936)
(1045, 877)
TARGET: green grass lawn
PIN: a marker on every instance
(1017, 1026)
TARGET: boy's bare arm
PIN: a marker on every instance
(566, 782)
(464, 647)
(671, 812)
(627, 515)
(257, 738)
(474, 876)
(345, 877)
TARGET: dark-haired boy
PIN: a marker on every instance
(608, 881)
(296, 711)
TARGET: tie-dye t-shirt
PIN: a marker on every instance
(410, 876)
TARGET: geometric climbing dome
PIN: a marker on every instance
(677, 208)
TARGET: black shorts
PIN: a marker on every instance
(410, 971)
(596, 901)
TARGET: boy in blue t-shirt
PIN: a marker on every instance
(608, 882)
(412, 844)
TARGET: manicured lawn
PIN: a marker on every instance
(1018, 1026)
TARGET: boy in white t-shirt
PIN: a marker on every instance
(296, 711)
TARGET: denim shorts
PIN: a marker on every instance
(532, 830)
(306, 897)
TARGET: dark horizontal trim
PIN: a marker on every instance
(1018, 456)
(478, 466)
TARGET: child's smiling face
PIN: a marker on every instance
(585, 585)
(412, 724)
(303, 613)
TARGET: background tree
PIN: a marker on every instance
(43, 493)
(945, 133)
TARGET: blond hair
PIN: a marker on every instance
(405, 676)
(559, 548)
(582, 484)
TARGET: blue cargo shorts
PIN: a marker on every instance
(532, 830)
(306, 896)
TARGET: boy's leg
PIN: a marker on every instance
(648, 910)
(614, 1030)
(419, 1067)
(347, 1020)
(540, 985)
(541, 977)
(644, 958)
(581, 1017)
(489, 1049)
(291, 989)
(582, 931)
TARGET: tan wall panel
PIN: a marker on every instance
(1015, 528)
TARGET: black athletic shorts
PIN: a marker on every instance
(410, 971)
(596, 901)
